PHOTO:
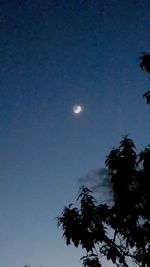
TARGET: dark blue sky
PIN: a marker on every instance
(55, 54)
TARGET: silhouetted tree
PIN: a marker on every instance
(147, 97)
(119, 231)
(145, 64)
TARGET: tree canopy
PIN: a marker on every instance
(119, 231)
(145, 64)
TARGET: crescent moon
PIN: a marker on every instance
(77, 109)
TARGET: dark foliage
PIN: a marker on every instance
(147, 97)
(145, 62)
(119, 231)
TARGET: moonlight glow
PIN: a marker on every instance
(77, 109)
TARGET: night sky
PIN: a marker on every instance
(55, 54)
